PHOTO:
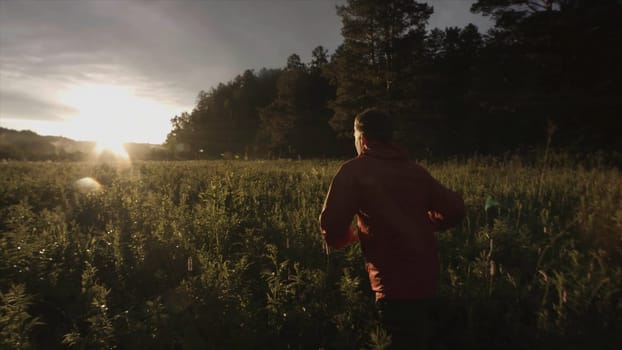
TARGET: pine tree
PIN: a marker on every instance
(296, 122)
(374, 65)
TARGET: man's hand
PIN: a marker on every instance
(351, 237)
(435, 218)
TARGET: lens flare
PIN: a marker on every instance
(88, 185)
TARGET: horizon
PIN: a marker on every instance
(71, 139)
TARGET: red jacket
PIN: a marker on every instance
(391, 197)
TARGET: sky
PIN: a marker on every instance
(119, 70)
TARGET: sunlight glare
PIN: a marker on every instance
(111, 146)
(112, 115)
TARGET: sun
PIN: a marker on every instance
(105, 112)
(113, 115)
(111, 146)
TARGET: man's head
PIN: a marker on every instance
(372, 125)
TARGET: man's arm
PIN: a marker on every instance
(447, 207)
(338, 210)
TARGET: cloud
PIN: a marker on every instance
(64, 43)
(174, 48)
(17, 105)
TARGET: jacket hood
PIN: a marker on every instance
(385, 151)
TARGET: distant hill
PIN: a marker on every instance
(28, 145)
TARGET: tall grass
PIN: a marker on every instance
(217, 254)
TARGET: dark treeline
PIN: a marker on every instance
(549, 70)
(28, 145)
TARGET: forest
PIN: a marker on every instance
(548, 71)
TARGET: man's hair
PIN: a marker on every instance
(375, 124)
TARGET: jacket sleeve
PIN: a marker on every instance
(448, 203)
(339, 208)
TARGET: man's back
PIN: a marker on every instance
(391, 197)
(398, 206)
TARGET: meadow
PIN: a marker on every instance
(227, 255)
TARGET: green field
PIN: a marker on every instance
(227, 255)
